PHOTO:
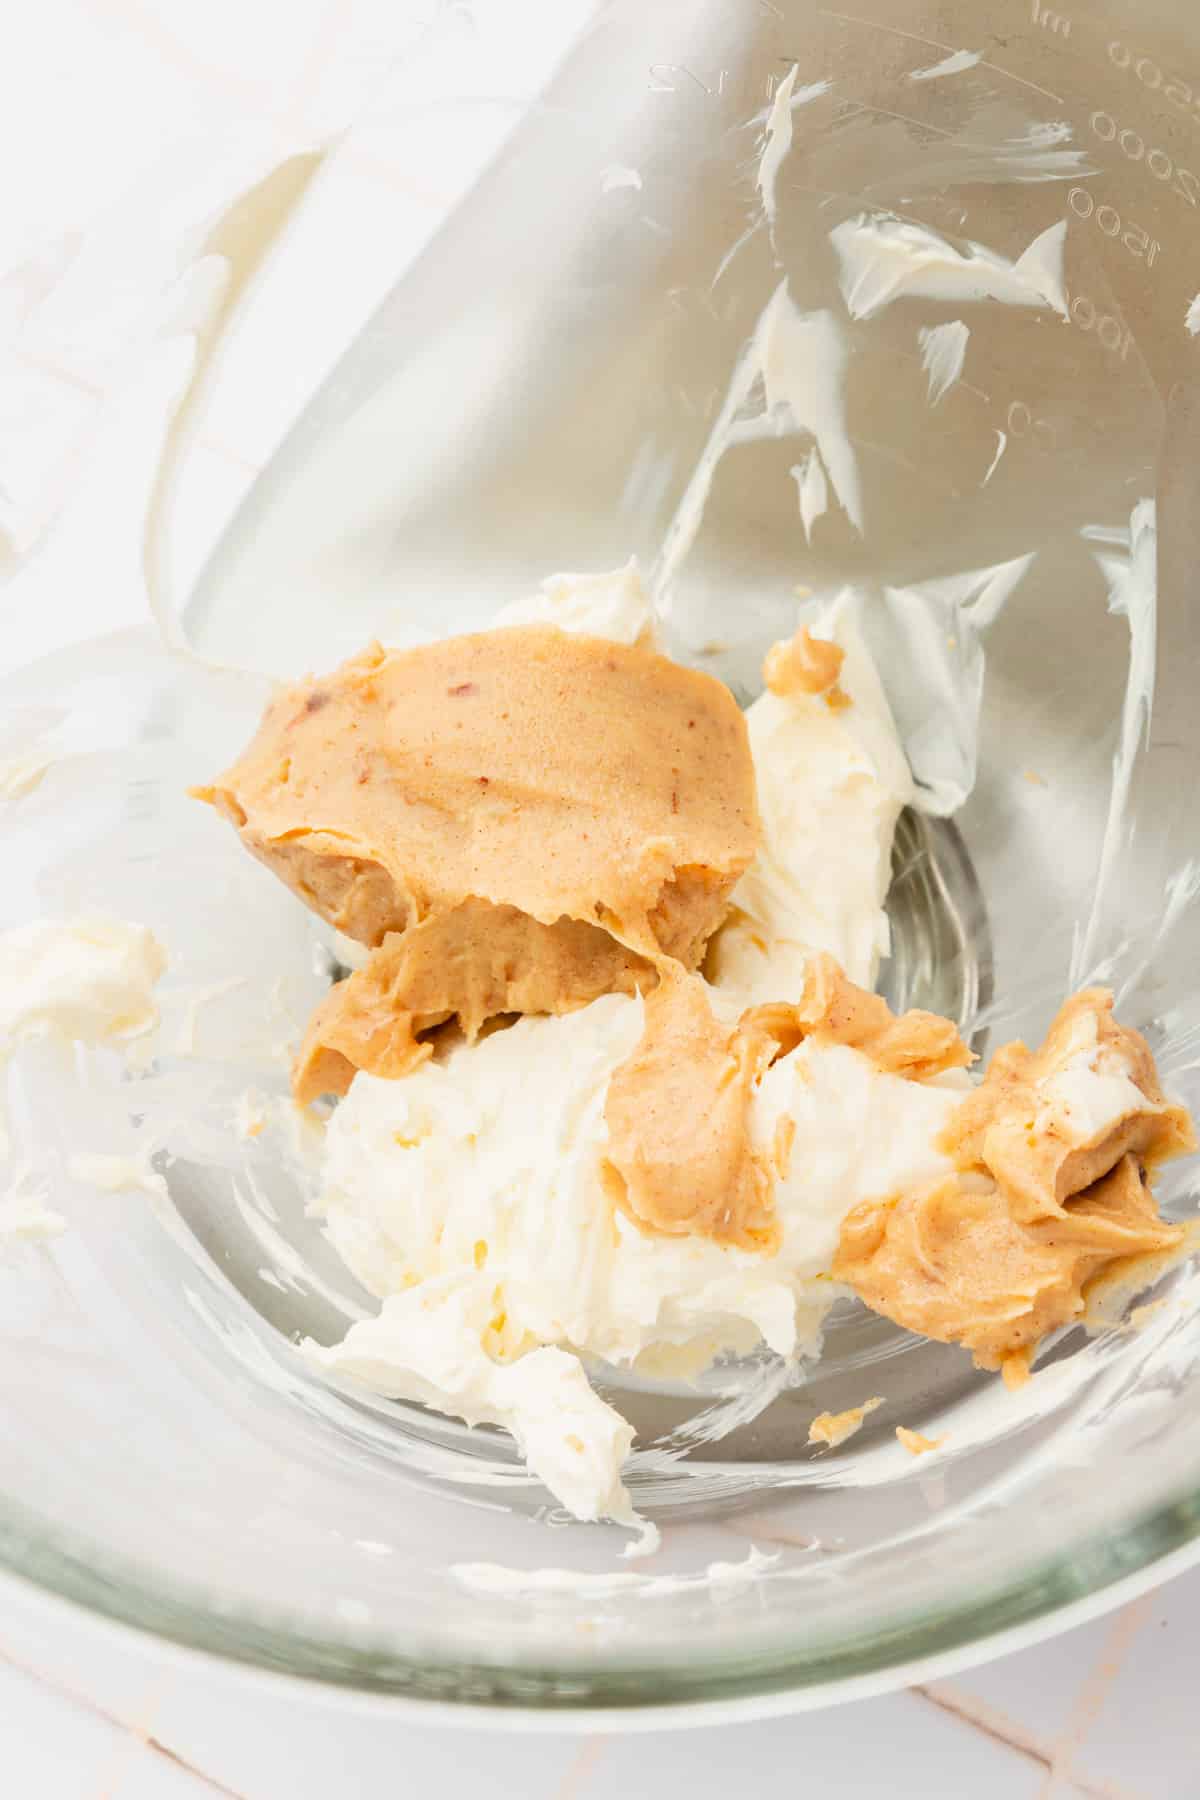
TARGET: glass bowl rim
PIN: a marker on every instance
(361, 1670)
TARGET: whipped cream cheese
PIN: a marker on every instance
(429, 1345)
(832, 783)
(884, 258)
(470, 1193)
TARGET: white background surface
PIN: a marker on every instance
(1105, 1712)
(102, 92)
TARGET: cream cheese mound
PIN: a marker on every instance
(468, 1196)
(832, 782)
(428, 1345)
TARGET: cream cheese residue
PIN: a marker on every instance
(115, 1174)
(802, 357)
(496, 1578)
(792, 374)
(778, 141)
(1001, 447)
(24, 1214)
(930, 639)
(943, 353)
(20, 774)
(777, 137)
(76, 981)
(812, 490)
(84, 980)
(957, 63)
(884, 258)
(88, 979)
(1130, 567)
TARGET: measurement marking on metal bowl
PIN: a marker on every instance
(1056, 23)
(1138, 242)
(1110, 331)
(1181, 94)
(1024, 423)
(1133, 145)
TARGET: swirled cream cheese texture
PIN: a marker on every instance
(469, 1197)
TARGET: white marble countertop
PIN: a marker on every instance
(1106, 1711)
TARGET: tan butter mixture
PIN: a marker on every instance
(680, 1158)
(470, 963)
(915, 1442)
(519, 820)
(526, 819)
(1047, 1196)
(834, 1010)
(804, 664)
(833, 1429)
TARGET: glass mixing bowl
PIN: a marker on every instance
(562, 379)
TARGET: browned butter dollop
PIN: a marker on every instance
(680, 1161)
(834, 1010)
(680, 1158)
(804, 664)
(1047, 1198)
(520, 771)
(470, 963)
